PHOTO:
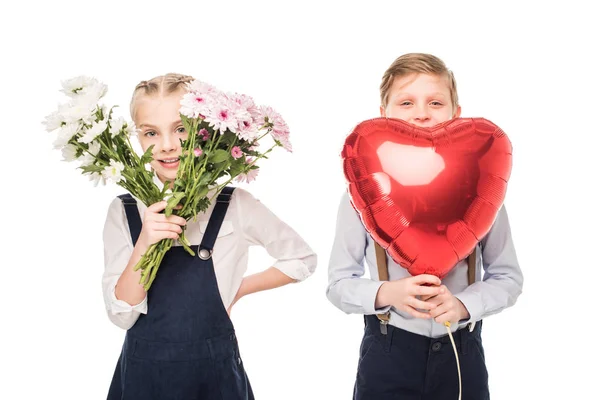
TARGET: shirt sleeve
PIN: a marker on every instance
(262, 227)
(503, 279)
(118, 248)
(346, 288)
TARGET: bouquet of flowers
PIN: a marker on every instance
(224, 133)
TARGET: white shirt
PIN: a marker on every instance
(498, 288)
(247, 223)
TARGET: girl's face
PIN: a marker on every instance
(157, 118)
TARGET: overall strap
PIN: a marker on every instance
(382, 269)
(133, 216)
(472, 262)
(215, 222)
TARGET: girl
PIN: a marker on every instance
(180, 342)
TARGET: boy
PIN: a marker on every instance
(413, 358)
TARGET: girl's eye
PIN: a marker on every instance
(150, 134)
(181, 130)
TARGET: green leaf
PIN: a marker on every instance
(173, 201)
(147, 157)
(185, 120)
(91, 168)
(202, 192)
(218, 156)
(228, 138)
(205, 179)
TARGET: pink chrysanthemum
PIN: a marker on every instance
(248, 131)
(197, 151)
(236, 152)
(250, 175)
(280, 130)
(247, 103)
(204, 134)
(194, 104)
(226, 114)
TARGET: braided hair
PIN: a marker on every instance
(159, 85)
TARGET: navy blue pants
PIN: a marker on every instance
(406, 366)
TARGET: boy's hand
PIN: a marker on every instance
(402, 294)
(445, 307)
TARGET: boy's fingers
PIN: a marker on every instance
(426, 279)
(440, 310)
(416, 313)
(427, 298)
(427, 291)
(421, 304)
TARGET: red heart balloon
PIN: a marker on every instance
(427, 195)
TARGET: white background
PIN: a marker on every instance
(531, 69)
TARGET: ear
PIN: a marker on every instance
(382, 112)
(457, 113)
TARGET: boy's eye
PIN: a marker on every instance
(436, 103)
(405, 103)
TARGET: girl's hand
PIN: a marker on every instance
(238, 295)
(156, 226)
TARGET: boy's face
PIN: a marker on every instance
(159, 124)
(420, 99)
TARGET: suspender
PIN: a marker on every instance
(133, 216)
(382, 269)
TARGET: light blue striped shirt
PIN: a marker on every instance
(498, 288)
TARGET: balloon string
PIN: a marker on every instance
(447, 324)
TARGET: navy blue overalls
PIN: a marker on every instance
(185, 346)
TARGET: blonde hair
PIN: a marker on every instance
(411, 63)
(159, 85)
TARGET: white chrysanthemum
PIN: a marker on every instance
(65, 134)
(94, 93)
(87, 159)
(113, 171)
(130, 128)
(53, 121)
(105, 110)
(92, 133)
(69, 153)
(78, 111)
(94, 148)
(116, 125)
(96, 178)
(84, 86)
(71, 87)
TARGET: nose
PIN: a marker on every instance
(168, 143)
(421, 114)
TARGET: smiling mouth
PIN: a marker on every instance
(169, 162)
